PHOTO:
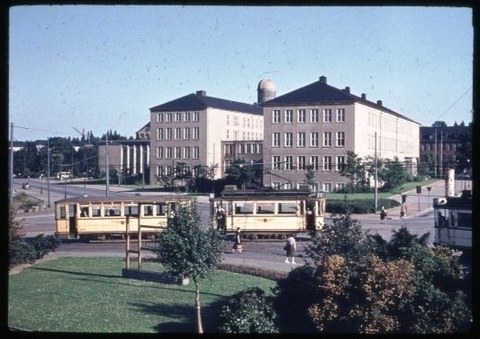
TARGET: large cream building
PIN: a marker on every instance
(194, 130)
(318, 124)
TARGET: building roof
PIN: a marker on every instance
(200, 101)
(320, 92)
(446, 133)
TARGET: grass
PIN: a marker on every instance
(90, 295)
(381, 195)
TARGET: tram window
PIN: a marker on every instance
(113, 211)
(244, 208)
(84, 211)
(287, 208)
(63, 212)
(161, 209)
(147, 210)
(96, 211)
(131, 211)
(265, 208)
(464, 220)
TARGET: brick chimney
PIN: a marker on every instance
(323, 79)
(347, 89)
(201, 93)
(364, 96)
(379, 102)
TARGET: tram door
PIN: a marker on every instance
(72, 219)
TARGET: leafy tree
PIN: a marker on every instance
(464, 151)
(187, 250)
(248, 312)
(393, 174)
(355, 170)
(309, 176)
(15, 227)
(245, 175)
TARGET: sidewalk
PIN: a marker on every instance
(416, 204)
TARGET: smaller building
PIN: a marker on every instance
(440, 143)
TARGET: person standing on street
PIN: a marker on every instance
(237, 245)
(403, 211)
(383, 214)
(291, 249)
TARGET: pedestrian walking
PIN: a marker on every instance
(403, 210)
(237, 245)
(383, 214)
(291, 249)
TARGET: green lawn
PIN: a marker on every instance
(90, 295)
(381, 195)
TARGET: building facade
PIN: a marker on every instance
(193, 131)
(440, 143)
(318, 124)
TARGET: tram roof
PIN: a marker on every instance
(463, 202)
(269, 194)
(150, 199)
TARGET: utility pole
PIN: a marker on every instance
(48, 171)
(107, 183)
(376, 176)
(11, 163)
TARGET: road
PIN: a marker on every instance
(262, 254)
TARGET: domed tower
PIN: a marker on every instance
(266, 91)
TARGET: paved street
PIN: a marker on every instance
(419, 220)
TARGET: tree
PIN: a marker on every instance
(309, 176)
(393, 174)
(354, 170)
(187, 250)
(464, 151)
(245, 175)
(248, 311)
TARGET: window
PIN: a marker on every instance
(327, 139)
(178, 133)
(168, 134)
(186, 133)
(147, 210)
(327, 163)
(314, 162)
(289, 163)
(327, 187)
(301, 116)
(159, 152)
(160, 117)
(327, 115)
(301, 139)
(288, 116)
(196, 116)
(265, 208)
(301, 163)
(288, 139)
(113, 211)
(276, 162)
(130, 210)
(243, 207)
(340, 186)
(169, 152)
(186, 117)
(287, 208)
(159, 133)
(314, 115)
(168, 117)
(178, 152)
(314, 139)
(340, 162)
(196, 133)
(96, 210)
(186, 152)
(275, 139)
(340, 139)
(196, 152)
(340, 114)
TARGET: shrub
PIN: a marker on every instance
(248, 312)
(20, 253)
(357, 206)
(43, 245)
(256, 271)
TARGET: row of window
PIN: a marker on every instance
(313, 137)
(183, 170)
(235, 149)
(325, 187)
(178, 117)
(246, 135)
(290, 163)
(248, 122)
(301, 117)
(178, 152)
(178, 133)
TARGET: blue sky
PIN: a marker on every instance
(101, 68)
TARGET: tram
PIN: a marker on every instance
(268, 212)
(105, 218)
(453, 221)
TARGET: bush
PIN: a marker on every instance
(294, 295)
(43, 245)
(357, 206)
(20, 253)
(248, 312)
(250, 270)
